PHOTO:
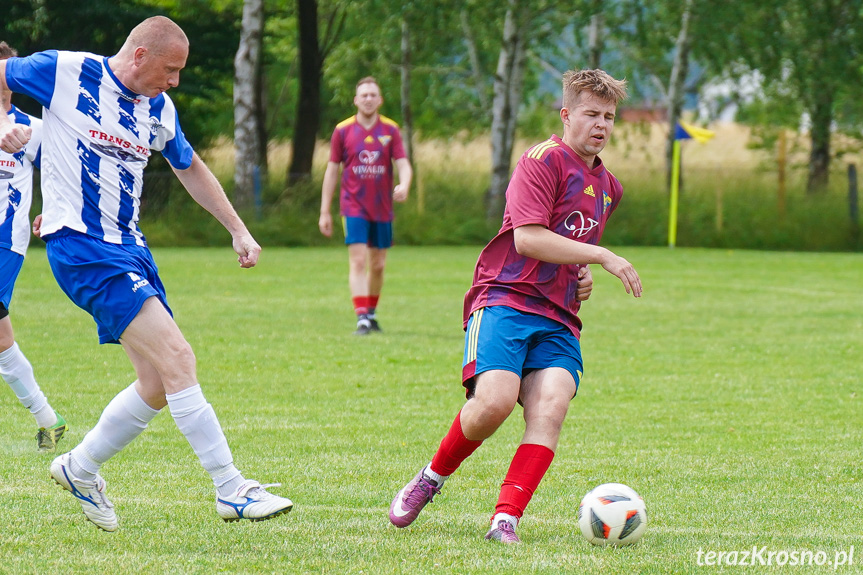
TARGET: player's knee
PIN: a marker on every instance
(377, 267)
(185, 355)
(177, 357)
(357, 265)
(494, 408)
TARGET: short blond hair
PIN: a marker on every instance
(368, 80)
(597, 82)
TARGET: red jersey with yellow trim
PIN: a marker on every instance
(367, 176)
(553, 187)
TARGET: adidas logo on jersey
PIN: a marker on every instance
(589, 191)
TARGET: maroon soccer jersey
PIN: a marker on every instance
(367, 157)
(553, 187)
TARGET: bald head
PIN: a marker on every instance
(150, 60)
(156, 34)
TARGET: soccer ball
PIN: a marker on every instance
(612, 514)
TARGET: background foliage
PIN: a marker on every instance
(773, 58)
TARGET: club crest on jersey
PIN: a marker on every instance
(578, 224)
(384, 140)
(155, 126)
(369, 156)
(606, 201)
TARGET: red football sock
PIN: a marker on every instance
(373, 302)
(361, 304)
(527, 469)
(454, 448)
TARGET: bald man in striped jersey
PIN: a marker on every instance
(102, 119)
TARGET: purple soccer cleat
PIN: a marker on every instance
(411, 499)
(504, 532)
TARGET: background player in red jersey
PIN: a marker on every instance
(366, 145)
(521, 314)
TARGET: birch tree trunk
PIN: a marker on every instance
(247, 146)
(595, 39)
(507, 96)
(679, 71)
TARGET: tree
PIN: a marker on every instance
(507, 97)
(679, 71)
(810, 54)
(312, 55)
(309, 98)
(822, 43)
(595, 35)
(249, 156)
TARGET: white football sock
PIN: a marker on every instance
(18, 373)
(435, 476)
(197, 421)
(122, 420)
(513, 520)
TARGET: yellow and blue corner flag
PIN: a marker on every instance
(684, 131)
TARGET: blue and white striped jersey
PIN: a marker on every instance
(98, 136)
(16, 186)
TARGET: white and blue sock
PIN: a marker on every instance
(122, 420)
(18, 373)
(197, 421)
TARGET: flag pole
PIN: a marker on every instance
(675, 193)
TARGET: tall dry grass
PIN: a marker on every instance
(730, 195)
(633, 149)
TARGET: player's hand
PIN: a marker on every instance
(325, 224)
(585, 283)
(400, 193)
(248, 250)
(13, 137)
(621, 268)
(37, 226)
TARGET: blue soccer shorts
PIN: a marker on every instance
(500, 337)
(10, 267)
(362, 231)
(109, 281)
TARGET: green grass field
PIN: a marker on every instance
(729, 397)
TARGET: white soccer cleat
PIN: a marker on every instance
(90, 494)
(252, 501)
